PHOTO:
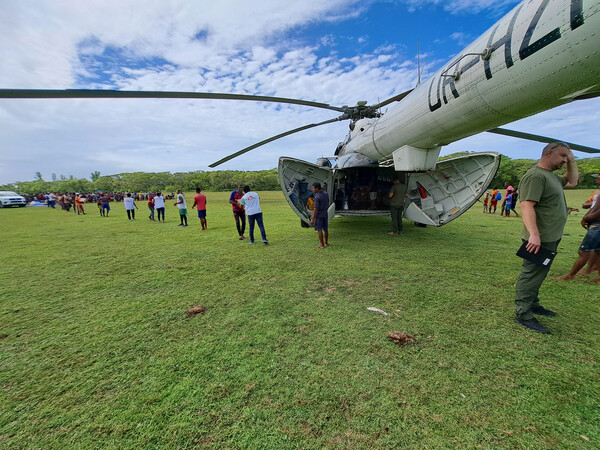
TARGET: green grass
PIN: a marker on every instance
(96, 349)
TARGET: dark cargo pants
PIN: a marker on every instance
(528, 285)
(396, 213)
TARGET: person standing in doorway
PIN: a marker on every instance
(320, 218)
(544, 215)
(251, 202)
(397, 195)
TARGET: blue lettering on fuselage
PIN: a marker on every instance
(526, 49)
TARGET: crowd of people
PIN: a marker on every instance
(544, 214)
(244, 201)
(509, 202)
(76, 200)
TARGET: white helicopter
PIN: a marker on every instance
(542, 54)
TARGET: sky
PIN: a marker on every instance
(334, 51)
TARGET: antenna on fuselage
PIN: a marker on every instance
(418, 65)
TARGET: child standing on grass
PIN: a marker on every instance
(513, 205)
(494, 201)
(486, 200)
(79, 201)
(508, 204)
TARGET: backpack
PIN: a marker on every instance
(498, 196)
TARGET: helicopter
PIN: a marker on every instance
(542, 54)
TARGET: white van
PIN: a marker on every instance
(10, 198)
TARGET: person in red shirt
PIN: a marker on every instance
(238, 211)
(151, 206)
(200, 204)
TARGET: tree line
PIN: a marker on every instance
(220, 180)
(510, 170)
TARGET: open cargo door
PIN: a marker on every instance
(296, 178)
(439, 196)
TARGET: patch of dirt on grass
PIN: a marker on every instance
(3, 336)
(310, 430)
(195, 310)
(400, 337)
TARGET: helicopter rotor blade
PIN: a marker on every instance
(105, 93)
(273, 138)
(538, 138)
(395, 98)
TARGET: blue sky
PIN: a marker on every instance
(336, 52)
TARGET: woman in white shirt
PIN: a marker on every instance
(159, 206)
(130, 206)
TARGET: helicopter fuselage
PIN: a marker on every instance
(542, 54)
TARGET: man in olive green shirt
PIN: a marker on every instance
(544, 215)
(397, 194)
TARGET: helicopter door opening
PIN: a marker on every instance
(439, 196)
(296, 178)
(364, 191)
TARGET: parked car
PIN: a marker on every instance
(10, 198)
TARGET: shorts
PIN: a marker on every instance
(183, 212)
(373, 195)
(321, 224)
(201, 213)
(494, 203)
(106, 206)
(591, 241)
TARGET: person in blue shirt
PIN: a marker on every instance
(320, 217)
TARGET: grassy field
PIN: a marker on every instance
(96, 349)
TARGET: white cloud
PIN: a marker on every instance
(463, 6)
(226, 46)
(461, 38)
(221, 47)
